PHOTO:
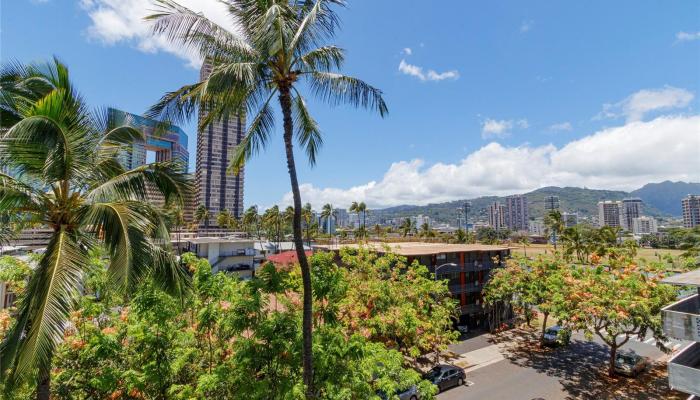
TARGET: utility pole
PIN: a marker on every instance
(467, 208)
(551, 203)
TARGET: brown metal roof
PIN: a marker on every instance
(417, 248)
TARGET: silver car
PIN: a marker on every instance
(630, 363)
(408, 394)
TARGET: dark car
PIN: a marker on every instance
(445, 376)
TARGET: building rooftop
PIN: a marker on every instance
(687, 278)
(417, 248)
(206, 240)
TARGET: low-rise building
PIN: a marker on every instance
(681, 320)
(570, 219)
(225, 254)
(466, 267)
(536, 227)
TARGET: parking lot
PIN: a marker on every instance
(513, 366)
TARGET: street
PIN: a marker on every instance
(524, 371)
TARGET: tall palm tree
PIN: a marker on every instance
(310, 225)
(355, 208)
(407, 227)
(223, 219)
(272, 220)
(80, 191)
(555, 225)
(201, 214)
(277, 47)
(362, 208)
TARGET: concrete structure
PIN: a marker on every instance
(644, 226)
(681, 320)
(629, 210)
(225, 254)
(497, 217)
(570, 219)
(217, 189)
(467, 267)
(419, 220)
(609, 213)
(166, 142)
(517, 216)
(537, 227)
(691, 210)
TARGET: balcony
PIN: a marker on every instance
(471, 309)
(682, 319)
(684, 370)
(466, 288)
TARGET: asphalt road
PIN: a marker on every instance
(564, 373)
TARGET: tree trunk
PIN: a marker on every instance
(611, 365)
(544, 327)
(286, 105)
(43, 387)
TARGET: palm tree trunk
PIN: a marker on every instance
(286, 105)
(43, 386)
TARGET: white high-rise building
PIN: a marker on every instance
(570, 219)
(644, 226)
(516, 213)
(629, 210)
(536, 227)
(609, 213)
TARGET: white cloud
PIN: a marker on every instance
(407, 51)
(431, 75)
(622, 158)
(687, 36)
(525, 26)
(122, 21)
(635, 106)
(492, 128)
(562, 126)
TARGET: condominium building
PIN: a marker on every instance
(681, 320)
(466, 267)
(570, 219)
(497, 216)
(163, 142)
(644, 226)
(609, 213)
(516, 215)
(629, 210)
(691, 210)
(537, 227)
(216, 188)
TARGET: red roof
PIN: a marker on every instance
(286, 258)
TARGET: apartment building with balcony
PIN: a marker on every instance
(691, 211)
(681, 320)
(466, 267)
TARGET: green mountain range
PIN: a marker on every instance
(660, 200)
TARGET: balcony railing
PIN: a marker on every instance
(684, 370)
(467, 287)
(682, 319)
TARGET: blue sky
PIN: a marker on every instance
(491, 98)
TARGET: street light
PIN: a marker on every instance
(444, 265)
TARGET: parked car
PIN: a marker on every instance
(407, 394)
(556, 336)
(445, 376)
(630, 363)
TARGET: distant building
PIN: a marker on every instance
(216, 188)
(516, 213)
(570, 219)
(497, 216)
(551, 203)
(691, 210)
(629, 210)
(420, 220)
(536, 227)
(609, 213)
(164, 142)
(644, 226)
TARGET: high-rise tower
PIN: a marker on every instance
(216, 189)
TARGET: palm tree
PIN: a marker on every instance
(408, 226)
(309, 224)
(80, 191)
(362, 208)
(328, 212)
(202, 214)
(175, 217)
(275, 49)
(425, 231)
(272, 220)
(555, 224)
(525, 242)
(355, 208)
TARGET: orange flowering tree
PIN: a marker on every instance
(616, 306)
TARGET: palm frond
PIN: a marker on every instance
(18, 197)
(307, 131)
(322, 59)
(44, 308)
(256, 137)
(178, 106)
(317, 22)
(338, 89)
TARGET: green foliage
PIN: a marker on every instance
(15, 273)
